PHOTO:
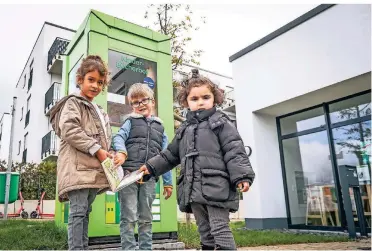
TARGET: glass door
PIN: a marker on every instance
(351, 129)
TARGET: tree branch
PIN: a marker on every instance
(178, 61)
(165, 19)
(161, 23)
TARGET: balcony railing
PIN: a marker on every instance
(49, 147)
(229, 99)
(27, 120)
(54, 54)
(24, 156)
(52, 96)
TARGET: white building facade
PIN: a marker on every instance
(303, 104)
(37, 89)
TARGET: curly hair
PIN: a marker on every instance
(92, 63)
(196, 80)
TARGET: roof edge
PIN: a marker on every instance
(59, 26)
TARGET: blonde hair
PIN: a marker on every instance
(140, 90)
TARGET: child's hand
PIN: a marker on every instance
(243, 186)
(167, 192)
(119, 159)
(102, 155)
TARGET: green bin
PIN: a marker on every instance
(14, 183)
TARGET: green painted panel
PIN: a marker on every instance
(117, 212)
(164, 47)
(107, 19)
(133, 28)
(159, 37)
(96, 24)
(66, 210)
(165, 93)
(77, 35)
(133, 39)
(98, 45)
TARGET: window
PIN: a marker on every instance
(19, 147)
(127, 70)
(22, 113)
(352, 108)
(24, 82)
(25, 142)
(28, 104)
(302, 121)
(311, 153)
(27, 117)
(30, 79)
(309, 174)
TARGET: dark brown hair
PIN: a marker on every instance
(196, 80)
(92, 63)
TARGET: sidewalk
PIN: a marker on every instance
(362, 244)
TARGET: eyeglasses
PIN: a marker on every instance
(144, 101)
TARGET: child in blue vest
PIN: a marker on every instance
(140, 138)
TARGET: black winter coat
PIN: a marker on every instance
(213, 161)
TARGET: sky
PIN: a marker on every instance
(229, 29)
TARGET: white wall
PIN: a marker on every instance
(5, 125)
(38, 125)
(48, 207)
(283, 75)
(266, 196)
(330, 47)
(20, 117)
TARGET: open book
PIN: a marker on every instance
(115, 175)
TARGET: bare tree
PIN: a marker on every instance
(176, 21)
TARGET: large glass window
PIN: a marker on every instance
(352, 143)
(310, 180)
(302, 121)
(309, 169)
(353, 147)
(125, 71)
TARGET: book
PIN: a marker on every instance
(115, 175)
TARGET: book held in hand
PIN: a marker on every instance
(115, 175)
